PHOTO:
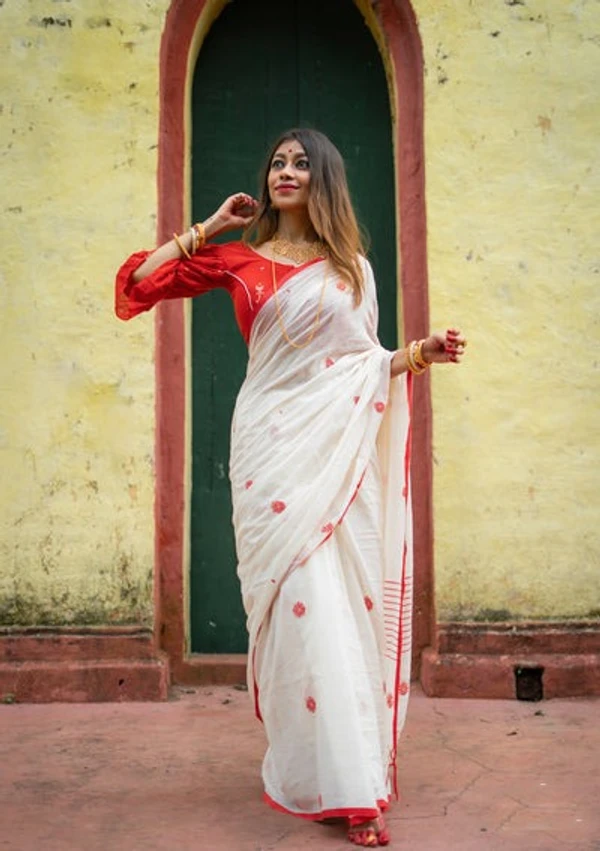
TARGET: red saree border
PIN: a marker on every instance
(345, 812)
(400, 33)
(393, 766)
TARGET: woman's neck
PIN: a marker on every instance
(295, 227)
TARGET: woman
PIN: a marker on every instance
(319, 478)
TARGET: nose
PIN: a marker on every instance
(286, 173)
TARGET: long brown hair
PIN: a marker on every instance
(329, 206)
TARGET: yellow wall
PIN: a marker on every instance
(78, 140)
(512, 118)
(511, 137)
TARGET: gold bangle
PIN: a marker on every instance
(200, 232)
(410, 359)
(182, 247)
(419, 359)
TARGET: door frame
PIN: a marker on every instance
(394, 27)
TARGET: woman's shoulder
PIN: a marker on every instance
(365, 263)
(370, 286)
(367, 270)
(230, 253)
(220, 249)
(219, 257)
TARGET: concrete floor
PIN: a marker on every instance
(183, 775)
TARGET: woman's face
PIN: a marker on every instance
(289, 177)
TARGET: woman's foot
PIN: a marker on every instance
(369, 833)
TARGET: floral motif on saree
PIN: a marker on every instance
(319, 473)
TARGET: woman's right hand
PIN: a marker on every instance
(235, 212)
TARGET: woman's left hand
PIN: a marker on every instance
(448, 348)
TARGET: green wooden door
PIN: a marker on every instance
(265, 67)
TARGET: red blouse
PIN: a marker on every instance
(243, 272)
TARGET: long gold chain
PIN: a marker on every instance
(317, 319)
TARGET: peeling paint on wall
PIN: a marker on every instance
(78, 133)
(512, 185)
(512, 199)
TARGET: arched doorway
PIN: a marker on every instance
(394, 25)
(294, 70)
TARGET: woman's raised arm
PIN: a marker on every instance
(234, 213)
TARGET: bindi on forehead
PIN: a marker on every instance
(291, 148)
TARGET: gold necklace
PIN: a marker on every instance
(317, 319)
(299, 252)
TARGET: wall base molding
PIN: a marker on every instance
(475, 660)
(81, 664)
(529, 661)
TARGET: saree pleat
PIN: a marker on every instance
(333, 756)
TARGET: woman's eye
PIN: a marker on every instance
(301, 164)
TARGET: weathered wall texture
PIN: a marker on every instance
(78, 134)
(512, 117)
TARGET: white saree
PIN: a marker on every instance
(321, 509)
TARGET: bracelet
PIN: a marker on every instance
(182, 247)
(419, 359)
(200, 235)
(410, 352)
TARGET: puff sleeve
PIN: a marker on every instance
(204, 271)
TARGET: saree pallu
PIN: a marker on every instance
(321, 509)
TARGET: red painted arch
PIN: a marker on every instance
(401, 35)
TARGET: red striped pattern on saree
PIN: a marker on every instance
(403, 597)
